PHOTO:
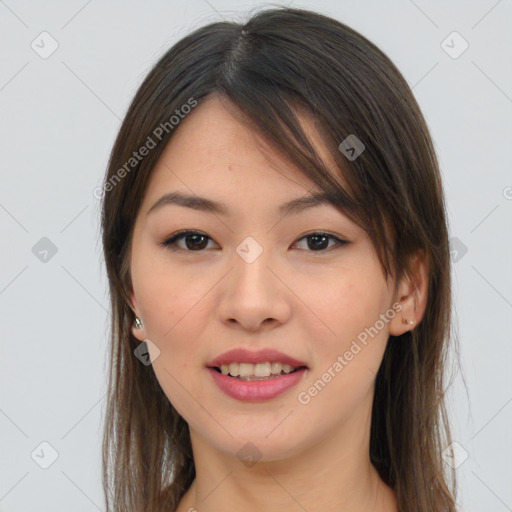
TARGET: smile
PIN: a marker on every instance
(256, 388)
(248, 371)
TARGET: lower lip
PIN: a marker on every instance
(256, 390)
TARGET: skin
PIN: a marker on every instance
(306, 302)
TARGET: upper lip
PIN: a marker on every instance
(242, 355)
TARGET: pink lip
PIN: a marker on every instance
(256, 390)
(241, 355)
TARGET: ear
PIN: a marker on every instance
(412, 294)
(140, 334)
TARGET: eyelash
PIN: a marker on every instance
(170, 243)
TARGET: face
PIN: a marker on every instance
(305, 282)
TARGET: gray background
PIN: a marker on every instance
(60, 115)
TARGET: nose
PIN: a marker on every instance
(253, 296)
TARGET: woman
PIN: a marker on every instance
(275, 237)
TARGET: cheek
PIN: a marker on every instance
(350, 309)
(346, 362)
(169, 297)
(175, 313)
(349, 304)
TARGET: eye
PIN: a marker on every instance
(194, 241)
(319, 241)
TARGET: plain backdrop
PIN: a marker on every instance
(59, 116)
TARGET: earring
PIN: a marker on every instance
(405, 321)
(138, 323)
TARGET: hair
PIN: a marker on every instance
(278, 63)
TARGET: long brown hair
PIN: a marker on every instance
(279, 61)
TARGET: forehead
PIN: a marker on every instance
(213, 151)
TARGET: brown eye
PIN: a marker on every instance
(194, 241)
(318, 242)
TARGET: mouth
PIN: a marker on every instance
(257, 372)
(248, 387)
(254, 376)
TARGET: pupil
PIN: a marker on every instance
(315, 244)
(189, 246)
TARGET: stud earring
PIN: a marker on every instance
(138, 323)
(405, 321)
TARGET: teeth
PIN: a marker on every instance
(276, 368)
(246, 370)
(233, 369)
(255, 370)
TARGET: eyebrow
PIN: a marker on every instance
(208, 205)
